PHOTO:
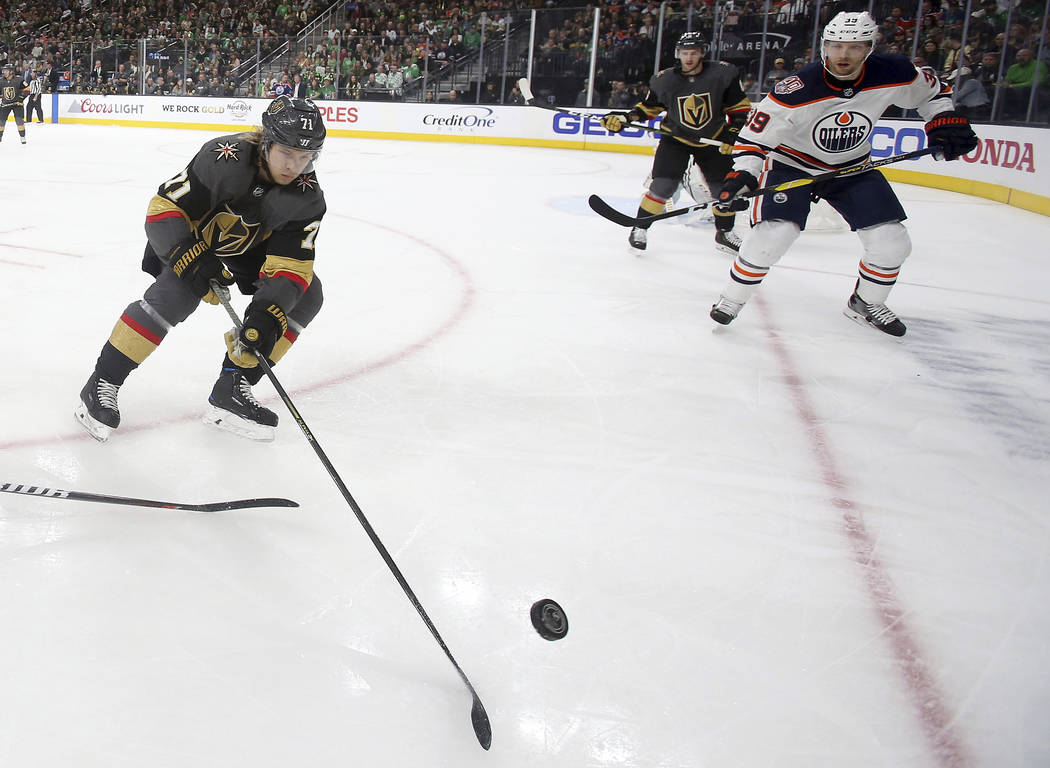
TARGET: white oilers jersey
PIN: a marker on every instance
(816, 124)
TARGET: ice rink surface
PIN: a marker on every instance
(788, 542)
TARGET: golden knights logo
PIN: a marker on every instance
(695, 110)
(9, 93)
(228, 233)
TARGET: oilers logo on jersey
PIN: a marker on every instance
(841, 131)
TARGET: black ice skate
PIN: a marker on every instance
(728, 241)
(876, 315)
(233, 408)
(638, 238)
(97, 411)
(725, 310)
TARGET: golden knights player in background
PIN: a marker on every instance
(702, 101)
(13, 90)
(245, 211)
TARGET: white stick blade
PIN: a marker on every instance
(526, 91)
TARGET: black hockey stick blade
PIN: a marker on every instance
(606, 211)
(480, 720)
(217, 506)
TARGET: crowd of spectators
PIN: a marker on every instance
(381, 50)
(373, 50)
(931, 37)
(935, 40)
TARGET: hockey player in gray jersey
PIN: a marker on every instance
(820, 119)
(245, 211)
(700, 100)
(13, 90)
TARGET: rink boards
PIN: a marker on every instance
(1005, 166)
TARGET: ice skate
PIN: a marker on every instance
(233, 408)
(728, 241)
(725, 310)
(638, 238)
(876, 315)
(97, 411)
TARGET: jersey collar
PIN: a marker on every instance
(840, 85)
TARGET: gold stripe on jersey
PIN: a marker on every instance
(160, 205)
(131, 342)
(743, 105)
(280, 349)
(274, 265)
(650, 111)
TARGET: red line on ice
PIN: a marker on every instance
(926, 696)
(466, 299)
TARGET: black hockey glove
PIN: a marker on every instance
(951, 134)
(729, 137)
(193, 260)
(262, 327)
(614, 122)
(728, 141)
(734, 184)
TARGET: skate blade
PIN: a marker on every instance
(726, 249)
(237, 425)
(859, 319)
(95, 428)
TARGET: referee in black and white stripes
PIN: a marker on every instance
(36, 88)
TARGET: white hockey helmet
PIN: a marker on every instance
(849, 28)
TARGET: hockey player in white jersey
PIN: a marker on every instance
(820, 119)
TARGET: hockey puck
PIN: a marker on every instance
(549, 619)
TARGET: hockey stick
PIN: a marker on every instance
(526, 92)
(218, 506)
(605, 210)
(478, 716)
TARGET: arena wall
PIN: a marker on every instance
(1004, 167)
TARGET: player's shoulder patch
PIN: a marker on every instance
(302, 199)
(728, 70)
(211, 150)
(307, 182)
(229, 151)
(803, 87)
(789, 85)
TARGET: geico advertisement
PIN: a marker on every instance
(588, 126)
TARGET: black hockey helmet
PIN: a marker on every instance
(7, 67)
(294, 123)
(690, 41)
